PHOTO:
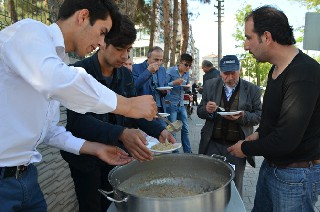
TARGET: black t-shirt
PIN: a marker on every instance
(289, 130)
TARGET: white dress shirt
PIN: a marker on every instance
(34, 78)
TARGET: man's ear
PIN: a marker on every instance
(268, 37)
(83, 15)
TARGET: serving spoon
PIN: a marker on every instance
(175, 126)
(222, 109)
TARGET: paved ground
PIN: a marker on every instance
(251, 174)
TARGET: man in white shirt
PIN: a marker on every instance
(34, 78)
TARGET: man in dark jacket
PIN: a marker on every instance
(210, 72)
(223, 130)
(150, 77)
(89, 173)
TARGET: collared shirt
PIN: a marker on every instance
(229, 91)
(34, 78)
(175, 96)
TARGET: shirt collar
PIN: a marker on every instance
(57, 35)
(58, 41)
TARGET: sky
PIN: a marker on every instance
(205, 27)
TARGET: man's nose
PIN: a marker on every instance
(125, 55)
(101, 41)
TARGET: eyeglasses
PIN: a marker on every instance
(187, 65)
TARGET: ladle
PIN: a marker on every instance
(175, 126)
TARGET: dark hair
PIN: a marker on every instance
(98, 9)
(268, 18)
(207, 63)
(124, 35)
(155, 48)
(186, 57)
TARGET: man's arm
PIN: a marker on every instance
(136, 107)
(201, 109)
(140, 78)
(252, 117)
(90, 128)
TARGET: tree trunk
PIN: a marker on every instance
(13, 12)
(166, 31)
(174, 32)
(127, 7)
(153, 23)
(184, 26)
(53, 6)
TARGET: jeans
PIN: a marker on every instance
(290, 189)
(180, 113)
(22, 194)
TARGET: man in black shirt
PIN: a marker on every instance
(89, 173)
(288, 136)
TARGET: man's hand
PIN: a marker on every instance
(235, 150)
(110, 154)
(135, 142)
(165, 134)
(211, 107)
(178, 81)
(153, 68)
(253, 136)
(137, 107)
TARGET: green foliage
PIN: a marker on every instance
(15, 10)
(310, 4)
(256, 72)
(143, 14)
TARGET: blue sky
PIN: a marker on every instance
(205, 28)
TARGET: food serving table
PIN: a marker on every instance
(235, 203)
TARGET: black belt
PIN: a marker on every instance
(14, 171)
(301, 164)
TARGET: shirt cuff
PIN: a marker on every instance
(75, 146)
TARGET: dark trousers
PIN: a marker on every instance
(87, 185)
(239, 163)
(195, 99)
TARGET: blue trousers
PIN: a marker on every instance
(180, 113)
(289, 189)
(22, 194)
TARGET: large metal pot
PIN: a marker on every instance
(209, 177)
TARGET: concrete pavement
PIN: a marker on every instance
(250, 175)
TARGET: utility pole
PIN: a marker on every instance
(220, 7)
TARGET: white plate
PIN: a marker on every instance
(153, 141)
(164, 88)
(164, 114)
(229, 113)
